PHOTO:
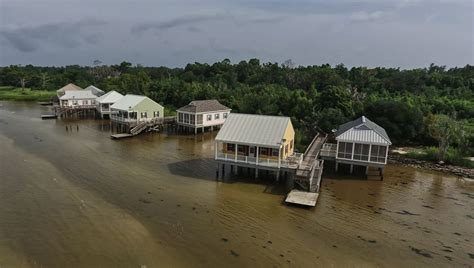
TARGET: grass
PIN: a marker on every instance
(18, 94)
(453, 156)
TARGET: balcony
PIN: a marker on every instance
(290, 162)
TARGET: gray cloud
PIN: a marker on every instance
(397, 33)
(60, 34)
(172, 23)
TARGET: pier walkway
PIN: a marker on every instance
(155, 124)
(308, 174)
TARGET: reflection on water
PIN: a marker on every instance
(78, 198)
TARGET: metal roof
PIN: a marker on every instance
(201, 106)
(96, 91)
(362, 130)
(129, 101)
(78, 94)
(110, 97)
(254, 129)
(68, 87)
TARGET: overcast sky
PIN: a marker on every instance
(403, 33)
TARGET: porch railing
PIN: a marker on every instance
(292, 161)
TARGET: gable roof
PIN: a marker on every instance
(68, 87)
(129, 101)
(362, 130)
(200, 106)
(254, 129)
(110, 97)
(95, 90)
(78, 94)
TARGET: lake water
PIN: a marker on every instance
(78, 198)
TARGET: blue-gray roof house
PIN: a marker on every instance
(359, 142)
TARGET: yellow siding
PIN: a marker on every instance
(289, 137)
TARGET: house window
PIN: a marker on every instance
(361, 152)
(224, 115)
(180, 117)
(92, 101)
(144, 115)
(186, 118)
(286, 149)
(156, 114)
(216, 116)
(275, 152)
(263, 151)
(231, 147)
(378, 153)
(199, 119)
(291, 144)
(345, 150)
(74, 102)
(85, 102)
(209, 117)
(242, 149)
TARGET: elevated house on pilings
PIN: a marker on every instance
(76, 103)
(257, 141)
(359, 143)
(134, 113)
(202, 114)
(104, 102)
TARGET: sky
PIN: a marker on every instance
(388, 33)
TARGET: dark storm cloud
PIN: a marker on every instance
(60, 34)
(172, 23)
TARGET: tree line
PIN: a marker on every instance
(317, 97)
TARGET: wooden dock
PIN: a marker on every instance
(49, 116)
(308, 175)
(121, 136)
(302, 198)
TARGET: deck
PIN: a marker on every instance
(308, 175)
(302, 198)
(121, 136)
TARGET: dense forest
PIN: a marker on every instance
(407, 103)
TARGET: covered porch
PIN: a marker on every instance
(256, 155)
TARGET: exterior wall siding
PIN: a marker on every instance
(289, 137)
(148, 106)
(205, 121)
(77, 102)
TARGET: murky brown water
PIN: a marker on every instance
(81, 199)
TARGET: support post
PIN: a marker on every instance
(337, 166)
(352, 168)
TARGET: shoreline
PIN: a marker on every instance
(411, 162)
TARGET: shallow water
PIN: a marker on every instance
(78, 198)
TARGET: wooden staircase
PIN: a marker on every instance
(138, 128)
